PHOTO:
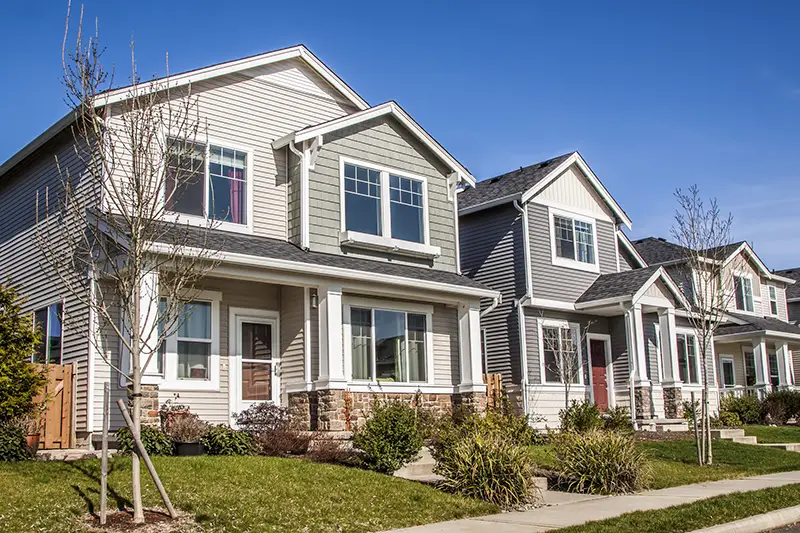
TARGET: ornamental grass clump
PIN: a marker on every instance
(600, 462)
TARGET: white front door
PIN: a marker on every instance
(255, 358)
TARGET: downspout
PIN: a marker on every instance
(523, 351)
(303, 194)
(629, 327)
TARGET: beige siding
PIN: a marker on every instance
(659, 290)
(292, 335)
(572, 189)
(445, 345)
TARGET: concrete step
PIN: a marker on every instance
(789, 447)
(419, 470)
(727, 434)
(663, 424)
(745, 440)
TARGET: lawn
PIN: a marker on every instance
(774, 434)
(697, 515)
(231, 494)
(675, 462)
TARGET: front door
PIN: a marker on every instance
(257, 361)
(597, 349)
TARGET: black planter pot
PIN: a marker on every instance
(189, 449)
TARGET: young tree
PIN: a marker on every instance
(109, 234)
(704, 233)
(563, 355)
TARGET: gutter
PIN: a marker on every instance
(523, 345)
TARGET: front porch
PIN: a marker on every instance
(758, 365)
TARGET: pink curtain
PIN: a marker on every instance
(237, 188)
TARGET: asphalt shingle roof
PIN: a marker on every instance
(511, 183)
(757, 323)
(617, 284)
(792, 291)
(656, 250)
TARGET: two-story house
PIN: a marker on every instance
(549, 238)
(753, 346)
(339, 273)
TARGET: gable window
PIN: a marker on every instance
(562, 358)
(48, 321)
(773, 300)
(687, 358)
(744, 293)
(727, 373)
(574, 241)
(207, 180)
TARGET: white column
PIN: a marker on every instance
(762, 366)
(148, 321)
(640, 347)
(469, 347)
(784, 363)
(669, 347)
(331, 356)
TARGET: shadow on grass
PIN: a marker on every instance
(94, 475)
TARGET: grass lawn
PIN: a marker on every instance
(774, 434)
(697, 515)
(230, 494)
(675, 462)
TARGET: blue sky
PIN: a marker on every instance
(654, 95)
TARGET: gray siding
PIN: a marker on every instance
(626, 261)
(382, 142)
(293, 198)
(619, 360)
(555, 282)
(794, 311)
(651, 345)
(445, 346)
(292, 325)
(492, 253)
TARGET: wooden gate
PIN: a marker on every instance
(57, 419)
(494, 389)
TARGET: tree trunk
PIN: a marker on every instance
(136, 407)
(696, 433)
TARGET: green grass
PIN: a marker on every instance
(774, 434)
(697, 515)
(230, 494)
(675, 462)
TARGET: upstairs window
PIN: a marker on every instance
(48, 321)
(773, 300)
(362, 199)
(574, 241)
(744, 293)
(205, 180)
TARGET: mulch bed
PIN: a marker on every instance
(662, 436)
(155, 521)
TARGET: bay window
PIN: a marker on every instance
(574, 241)
(561, 354)
(687, 358)
(744, 293)
(48, 321)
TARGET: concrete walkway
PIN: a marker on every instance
(570, 509)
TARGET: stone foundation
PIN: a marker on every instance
(150, 406)
(643, 403)
(673, 402)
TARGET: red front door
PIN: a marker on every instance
(597, 349)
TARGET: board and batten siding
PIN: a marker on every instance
(492, 253)
(383, 142)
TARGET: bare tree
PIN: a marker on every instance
(705, 235)
(561, 347)
(109, 234)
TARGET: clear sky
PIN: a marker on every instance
(654, 95)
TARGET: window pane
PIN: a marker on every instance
(691, 359)
(683, 367)
(390, 346)
(565, 241)
(256, 341)
(54, 335)
(185, 178)
(727, 373)
(363, 212)
(406, 209)
(40, 322)
(256, 381)
(774, 375)
(196, 321)
(361, 342)
(162, 347)
(750, 368)
(193, 358)
(551, 367)
(748, 294)
(773, 300)
(228, 173)
(416, 347)
(585, 242)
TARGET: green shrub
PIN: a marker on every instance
(618, 419)
(480, 463)
(390, 438)
(224, 440)
(728, 419)
(747, 408)
(13, 446)
(691, 410)
(581, 417)
(778, 407)
(600, 462)
(155, 441)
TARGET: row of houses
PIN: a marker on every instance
(359, 259)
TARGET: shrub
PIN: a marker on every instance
(328, 449)
(599, 462)
(263, 417)
(778, 407)
(690, 411)
(507, 424)
(480, 463)
(618, 419)
(155, 441)
(224, 440)
(186, 427)
(13, 446)
(390, 438)
(273, 430)
(581, 417)
(747, 408)
(20, 381)
(726, 419)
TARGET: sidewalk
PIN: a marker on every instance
(572, 509)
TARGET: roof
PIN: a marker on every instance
(755, 324)
(193, 76)
(617, 284)
(792, 291)
(656, 250)
(388, 108)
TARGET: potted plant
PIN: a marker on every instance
(32, 424)
(185, 431)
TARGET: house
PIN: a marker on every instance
(339, 276)
(753, 346)
(792, 294)
(549, 238)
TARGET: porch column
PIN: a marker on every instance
(331, 356)
(784, 363)
(640, 347)
(641, 393)
(669, 346)
(762, 366)
(469, 347)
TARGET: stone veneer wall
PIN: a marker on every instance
(643, 403)
(673, 402)
(150, 406)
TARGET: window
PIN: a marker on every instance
(687, 358)
(744, 293)
(773, 300)
(561, 354)
(774, 373)
(383, 203)
(162, 347)
(750, 369)
(574, 240)
(194, 340)
(727, 374)
(207, 181)
(388, 346)
(48, 321)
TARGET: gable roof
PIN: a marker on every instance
(390, 108)
(193, 76)
(658, 251)
(628, 285)
(523, 184)
(792, 291)
(753, 324)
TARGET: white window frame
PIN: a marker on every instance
(722, 360)
(772, 296)
(385, 241)
(697, 358)
(205, 220)
(348, 302)
(575, 329)
(46, 333)
(573, 263)
(749, 278)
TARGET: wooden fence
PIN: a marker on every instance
(494, 389)
(57, 419)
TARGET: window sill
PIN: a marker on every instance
(388, 244)
(576, 265)
(202, 222)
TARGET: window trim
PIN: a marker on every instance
(573, 263)
(348, 302)
(697, 358)
(385, 241)
(46, 338)
(772, 290)
(722, 360)
(574, 327)
(743, 276)
(205, 221)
